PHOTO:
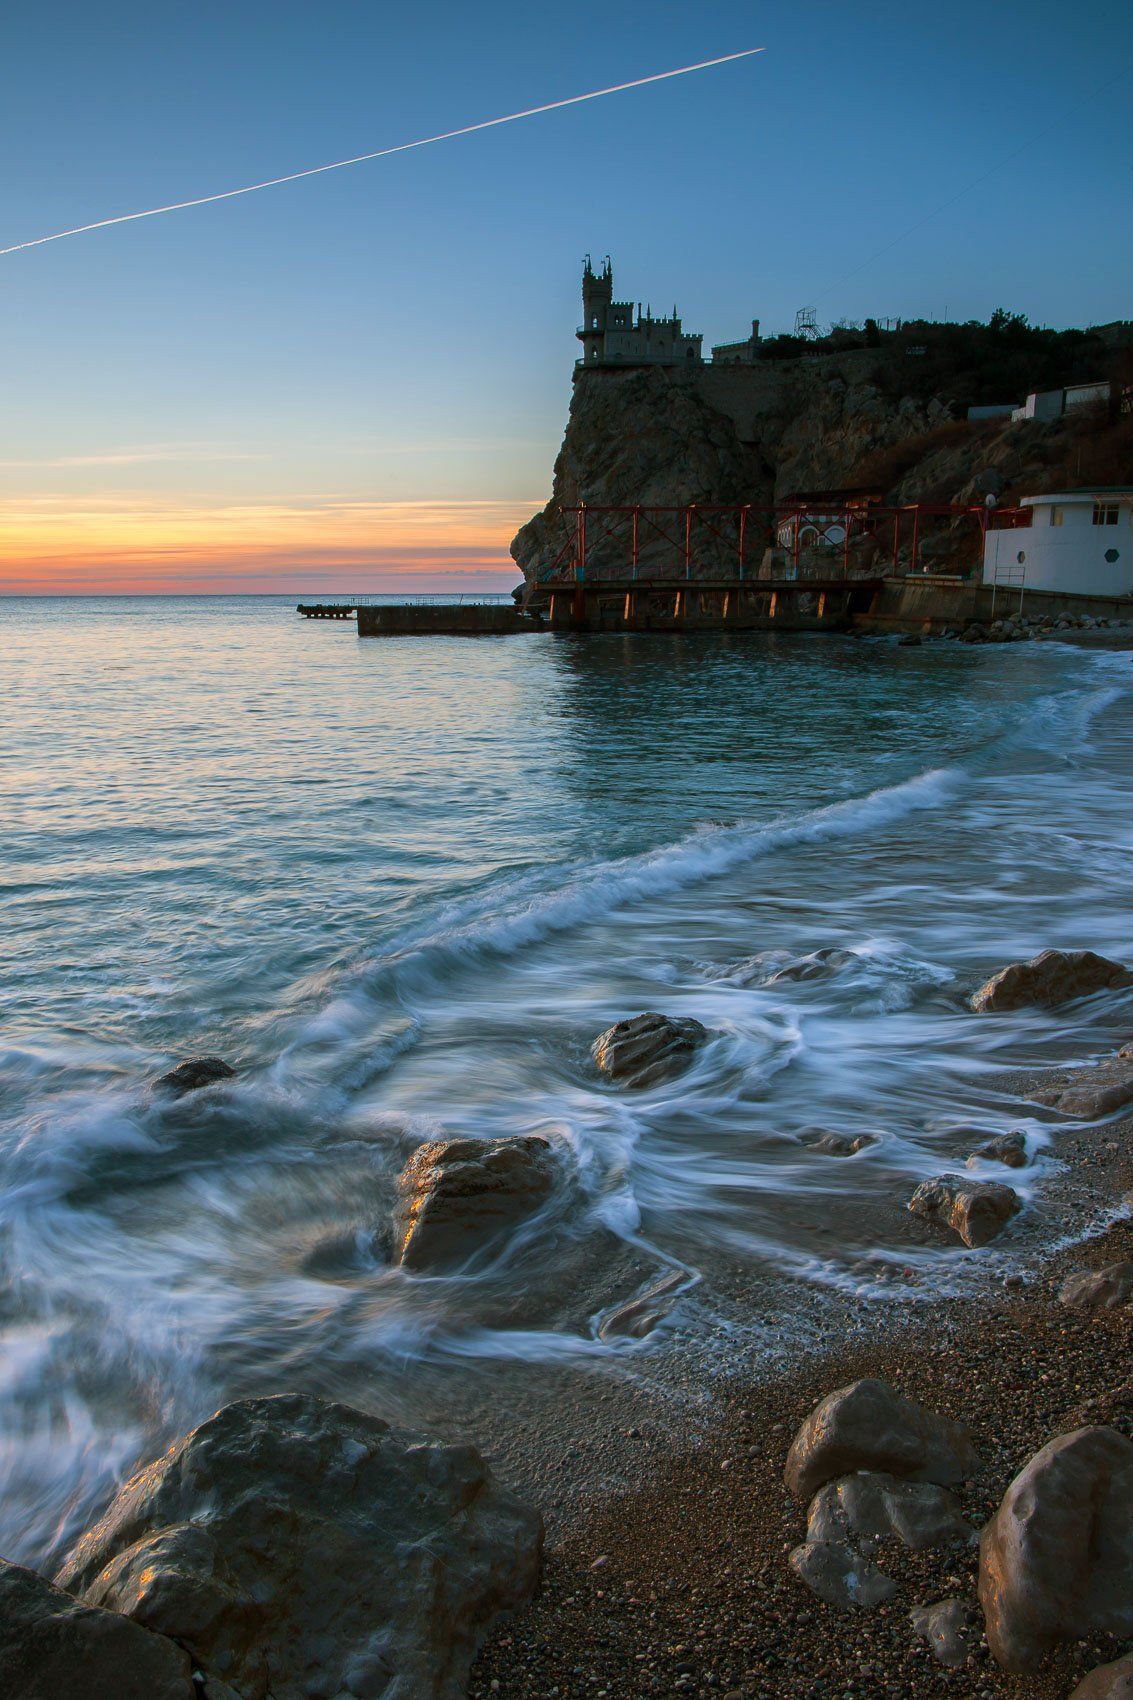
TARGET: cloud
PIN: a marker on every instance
(155, 454)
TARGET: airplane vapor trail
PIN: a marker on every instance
(382, 153)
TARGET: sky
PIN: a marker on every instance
(359, 381)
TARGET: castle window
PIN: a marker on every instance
(1105, 513)
(1056, 516)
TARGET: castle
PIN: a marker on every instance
(611, 336)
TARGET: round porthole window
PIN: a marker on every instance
(1022, 555)
(1112, 555)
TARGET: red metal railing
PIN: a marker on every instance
(727, 533)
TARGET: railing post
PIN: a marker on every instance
(580, 553)
(636, 516)
(743, 531)
(688, 541)
(916, 536)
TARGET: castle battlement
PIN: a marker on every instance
(612, 335)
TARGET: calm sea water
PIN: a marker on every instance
(401, 884)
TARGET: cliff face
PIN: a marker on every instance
(668, 437)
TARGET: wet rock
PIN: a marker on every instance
(648, 1048)
(458, 1195)
(300, 1548)
(1051, 978)
(1056, 1560)
(950, 1630)
(1094, 1092)
(867, 1426)
(1008, 1148)
(814, 966)
(875, 1506)
(841, 1144)
(53, 1647)
(1099, 1289)
(841, 1576)
(1108, 1682)
(640, 1315)
(976, 1210)
(195, 1072)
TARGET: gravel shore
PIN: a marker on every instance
(675, 1580)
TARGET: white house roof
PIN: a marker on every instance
(1106, 493)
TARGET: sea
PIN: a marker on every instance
(400, 885)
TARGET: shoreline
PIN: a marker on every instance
(667, 1570)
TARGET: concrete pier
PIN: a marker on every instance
(438, 619)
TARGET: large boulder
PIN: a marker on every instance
(872, 1505)
(647, 1049)
(53, 1647)
(1051, 978)
(458, 1195)
(1099, 1289)
(1056, 1560)
(1093, 1092)
(298, 1548)
(975, 1210)
(867, 1426)
(1108, 1682)
(191, 1075)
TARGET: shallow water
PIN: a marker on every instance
(401, 884)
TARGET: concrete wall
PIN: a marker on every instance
(431, 619)
(931, 604)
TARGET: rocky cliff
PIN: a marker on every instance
(719, 434)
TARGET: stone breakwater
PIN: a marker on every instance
(292, 1546)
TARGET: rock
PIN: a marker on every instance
(1054, 977)
(911, 640)
(53, 1647)
(876, 1506)
(976, 1210)
(867, 1426)
(949, 1628)
(195, 1072)
(647, 1049)
(1056, 1560)
(841, 1576)
(1100, 1289)
(458, 1195)
(1094, 1092)
(640, 1315)
(814, 966)
(1108, 1682)
(841, 1144)
(299, 1548)
(1008, 1148)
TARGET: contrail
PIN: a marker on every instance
(383, 153)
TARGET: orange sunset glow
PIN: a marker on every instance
(150, 545)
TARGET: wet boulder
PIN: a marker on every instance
(300, 1548)
(1056, 1560)
(872, 1505)
(816, 965)
(456, 1196)
(191, 1075)
(950, 1630)
(841, 1576)
(975, 1210)
(1051, 978)
(53, 1647)
(1010, 1149)
(1099, 1289)
(1108, 1682)
(1093, 1092)
(647, 1049)
(868, 1426)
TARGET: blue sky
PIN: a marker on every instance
(369, 371)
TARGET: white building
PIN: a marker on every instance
(1079, 543)
(1052, 404)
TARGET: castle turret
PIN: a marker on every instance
(597, 294)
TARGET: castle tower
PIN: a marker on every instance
(597, 294)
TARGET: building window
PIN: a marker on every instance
(1105, 513)
(1056, 516)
